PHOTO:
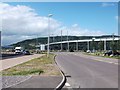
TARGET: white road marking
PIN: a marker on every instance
(67, 84)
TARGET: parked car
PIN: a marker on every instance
(116, 53)
(108, 53)
(112, 53)
(26, 52)
(88, 51)
(71, 50)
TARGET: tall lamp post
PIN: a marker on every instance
(48, 49)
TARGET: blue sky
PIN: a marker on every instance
(91, 15)
(78, 18)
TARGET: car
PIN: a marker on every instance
(71, 50)
(115, 53)
(108, 53)
(88, 51)
(26, 52)
(18, 50)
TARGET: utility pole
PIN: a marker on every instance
(113, 36)
(77, 45)
(52, 37)
(93, 44)
(104, 45)
(68, 41)
(61, 41)
(88, 45)
(37, 44)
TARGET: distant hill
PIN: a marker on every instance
(31, 43)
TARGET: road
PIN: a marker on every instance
(85, 72)
(7, 56)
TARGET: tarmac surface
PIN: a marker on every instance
(7, 56)
(84, 71)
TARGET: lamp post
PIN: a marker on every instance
(48, 51)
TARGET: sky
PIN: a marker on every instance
(26, 20)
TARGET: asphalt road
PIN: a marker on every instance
(7, 56)
(84, 72)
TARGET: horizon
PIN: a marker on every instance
(56, 36)
(27, 20)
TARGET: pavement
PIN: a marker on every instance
(38, 82)
(82, 71)
(10, 62)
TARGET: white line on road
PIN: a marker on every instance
(67, 84)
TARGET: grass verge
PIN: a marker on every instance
(101, 55)
(39, 66)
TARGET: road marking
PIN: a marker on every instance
(67, 84)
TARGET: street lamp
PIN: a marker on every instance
(48, 51)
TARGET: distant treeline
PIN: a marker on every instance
(31, 43)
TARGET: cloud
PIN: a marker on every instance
(107, 4)
(19, 21)
(76, 30)
(22, 22)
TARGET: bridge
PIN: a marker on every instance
(87, 43)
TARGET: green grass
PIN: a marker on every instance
(24, 72)
(39, 66)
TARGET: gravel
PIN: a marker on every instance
(8, 81)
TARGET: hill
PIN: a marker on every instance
(31, 43)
